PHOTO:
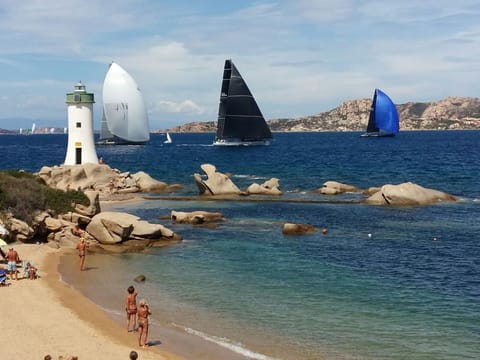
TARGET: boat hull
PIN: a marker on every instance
(241, 143)
(115, 141)
(377, 134)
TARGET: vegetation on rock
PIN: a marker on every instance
(22, 194)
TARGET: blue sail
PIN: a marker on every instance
(386, 115)
(383, 119)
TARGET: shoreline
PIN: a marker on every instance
(170, 338)
(50, 316)
(47, 316)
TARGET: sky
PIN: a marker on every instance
(298, 57)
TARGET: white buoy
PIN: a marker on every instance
(369, 235)
(81, 144)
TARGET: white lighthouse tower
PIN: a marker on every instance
(81, 144)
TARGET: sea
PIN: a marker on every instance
(382, 282)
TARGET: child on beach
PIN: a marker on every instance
(131, 308)
(143, 313)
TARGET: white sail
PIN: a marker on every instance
(33, 128)
(169, 139)
(124, 113)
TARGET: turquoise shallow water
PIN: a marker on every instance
(398, 294)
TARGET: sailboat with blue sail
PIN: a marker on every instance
(383, 119)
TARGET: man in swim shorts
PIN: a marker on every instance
(13, 259)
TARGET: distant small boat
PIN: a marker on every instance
(169, 139)
(383, 119)
(240, 121)
(124, 119)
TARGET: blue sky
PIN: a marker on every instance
(298, 57)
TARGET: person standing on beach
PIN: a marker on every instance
(82, 251)
(143, 313)
(13, 259)
(131, 308)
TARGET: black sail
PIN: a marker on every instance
(239, 117)
(372, 124)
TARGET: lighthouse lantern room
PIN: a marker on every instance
(81, 144)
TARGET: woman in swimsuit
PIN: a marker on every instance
(131, 308)
(143, 313)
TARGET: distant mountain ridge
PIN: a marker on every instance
(451, 113)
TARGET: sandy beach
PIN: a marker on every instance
(46, 316)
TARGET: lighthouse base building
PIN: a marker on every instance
(81, 144)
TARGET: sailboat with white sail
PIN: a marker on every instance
(124, 119)
(169, 139)
(240, 121)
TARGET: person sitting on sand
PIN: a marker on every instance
(131, 308)
(13, 259)
(82, 251)
(133, 355)
(143, 313)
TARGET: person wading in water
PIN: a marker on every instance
(82, 251)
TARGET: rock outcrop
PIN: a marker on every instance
(335, 188)
(116, 227)
(408, 194)
(216, 183)
(298, 229)
(101, 178)
(269, 187)
(195, 217)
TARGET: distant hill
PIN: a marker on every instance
(452, 113)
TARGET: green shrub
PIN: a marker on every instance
(22, 194)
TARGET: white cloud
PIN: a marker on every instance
(186, 106)
(298, 57)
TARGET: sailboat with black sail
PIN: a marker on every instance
(383, 119)
(240, 121)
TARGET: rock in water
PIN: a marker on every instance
(140, 278)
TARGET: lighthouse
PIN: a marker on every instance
(81, 145)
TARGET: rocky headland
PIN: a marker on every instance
(106, 231)
(451, 113)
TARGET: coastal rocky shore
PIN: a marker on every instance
(451, 113)
(105, 231)
(121, 232)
